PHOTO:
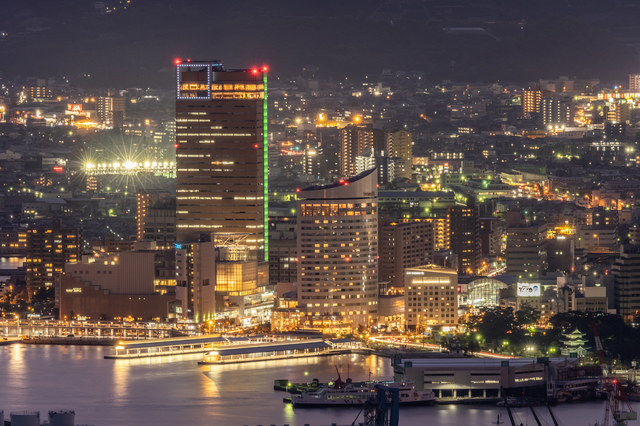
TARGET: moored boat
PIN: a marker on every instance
(349, 394)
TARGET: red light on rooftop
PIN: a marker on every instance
(188, 60)
(265, 69)
(254, 71)
(178, 61)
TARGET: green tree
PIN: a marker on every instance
(527, 315)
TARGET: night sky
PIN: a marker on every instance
(137, 46)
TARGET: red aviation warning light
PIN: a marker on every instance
(265, 68)
(178, 61)
(254, 71)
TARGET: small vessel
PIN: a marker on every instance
(349, 394)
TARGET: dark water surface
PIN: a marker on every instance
(176, 391)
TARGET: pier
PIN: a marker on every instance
(282, 350)
(184, 345)
(104, 329)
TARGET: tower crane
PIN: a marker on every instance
(617, 407)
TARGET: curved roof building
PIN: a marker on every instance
(338, 249)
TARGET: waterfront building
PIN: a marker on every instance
(338, 250)
(431, 297)
(222, 186)
(221, 150)
(482, 377)
(49, 248)
(196, 279)
(137, 284)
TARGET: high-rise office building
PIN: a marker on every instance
(196, 279)
(626, 271)
(403, 245)
(526, 248)
(338, 250)
(221, 156)
(464, 238)
(48, 249)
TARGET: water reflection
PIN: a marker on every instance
(175, 391)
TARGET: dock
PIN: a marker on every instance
(290, 349)
(186, 345)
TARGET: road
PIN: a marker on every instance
(436, 348)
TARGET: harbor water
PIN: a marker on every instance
(176, 391)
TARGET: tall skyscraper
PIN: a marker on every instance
(464, 238)
(221, 156)
(627, 287)
(526, 247)
(338, 250)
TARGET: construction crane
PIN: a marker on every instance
(600, 351)
(382, 409)
(617, 407)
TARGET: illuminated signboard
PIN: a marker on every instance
(74, 107)
(58, 169)
(528, 289)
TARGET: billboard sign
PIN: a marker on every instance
(528, 289)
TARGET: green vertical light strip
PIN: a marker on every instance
(265, 125)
